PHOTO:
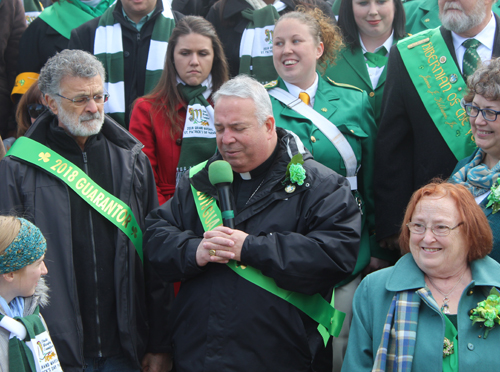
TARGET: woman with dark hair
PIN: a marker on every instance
(175, 121)
(30, 107)
(370, 28)
(436, 308)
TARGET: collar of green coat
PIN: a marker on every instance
(428, 4)
(357, 61)
(407, 275)
(324, 99)
(431, 18)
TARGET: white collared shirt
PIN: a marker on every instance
(486, 37)
(311, 91)
(376, 72)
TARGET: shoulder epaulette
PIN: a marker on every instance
(343, 85)
(271, 84)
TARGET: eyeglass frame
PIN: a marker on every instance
(479, 110)
(87, 99)
(432, 228)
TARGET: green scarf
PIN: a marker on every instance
(198, 138)
(256, 46)
(35, 352)
(108, 48)
(64, 16)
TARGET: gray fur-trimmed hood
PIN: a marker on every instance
(40, 297)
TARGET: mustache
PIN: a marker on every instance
(90, 116)
(452, 5)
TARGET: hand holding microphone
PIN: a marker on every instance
(224, 242)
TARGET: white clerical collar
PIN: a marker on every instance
(246, 176)
(311, 91)
(486, 37)
(387, 44)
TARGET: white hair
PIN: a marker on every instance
(243, 86)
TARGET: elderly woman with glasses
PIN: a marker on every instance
(427, 311)
(479, 172)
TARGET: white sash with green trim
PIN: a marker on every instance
(108, 48)
(115, 210)
(440, 86)
(316, 307)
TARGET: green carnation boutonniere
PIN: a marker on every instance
(494, 197)
(488, 311)
(295, 172)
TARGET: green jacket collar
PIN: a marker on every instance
(406, 274)
(428, 4)
(324, 100)
(357, 61)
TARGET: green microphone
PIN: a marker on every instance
(220, 175)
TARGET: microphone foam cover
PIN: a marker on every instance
(220, 172)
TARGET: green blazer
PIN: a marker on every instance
(350, 68)
(424, 14)
(348, 108)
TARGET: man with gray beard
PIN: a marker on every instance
(424, 14)
(424, 131)
(84, 181)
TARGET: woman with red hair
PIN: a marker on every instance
(418, 313)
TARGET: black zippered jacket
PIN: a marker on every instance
(306, 240)
(139, 298)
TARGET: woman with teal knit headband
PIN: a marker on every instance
(24, 340)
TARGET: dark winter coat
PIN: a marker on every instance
(306, 240)
(45, 200)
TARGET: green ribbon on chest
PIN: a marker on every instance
(440, 86)
(316, 307)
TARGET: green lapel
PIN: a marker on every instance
(381, 80)
(430, 18)
(286, 111)
(496, 8)
(325, 103)
(487, 211)
(325, 106)
(357, 61)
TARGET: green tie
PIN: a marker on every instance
(471, 58)
(377, 59)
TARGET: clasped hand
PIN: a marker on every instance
(225, 242)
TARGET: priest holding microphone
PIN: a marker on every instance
(259, 235)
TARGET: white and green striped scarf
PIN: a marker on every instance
(256, 47)
(198, 137)
(30, 345)
(108, 48)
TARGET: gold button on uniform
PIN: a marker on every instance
(313, 139)
(372, 94)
